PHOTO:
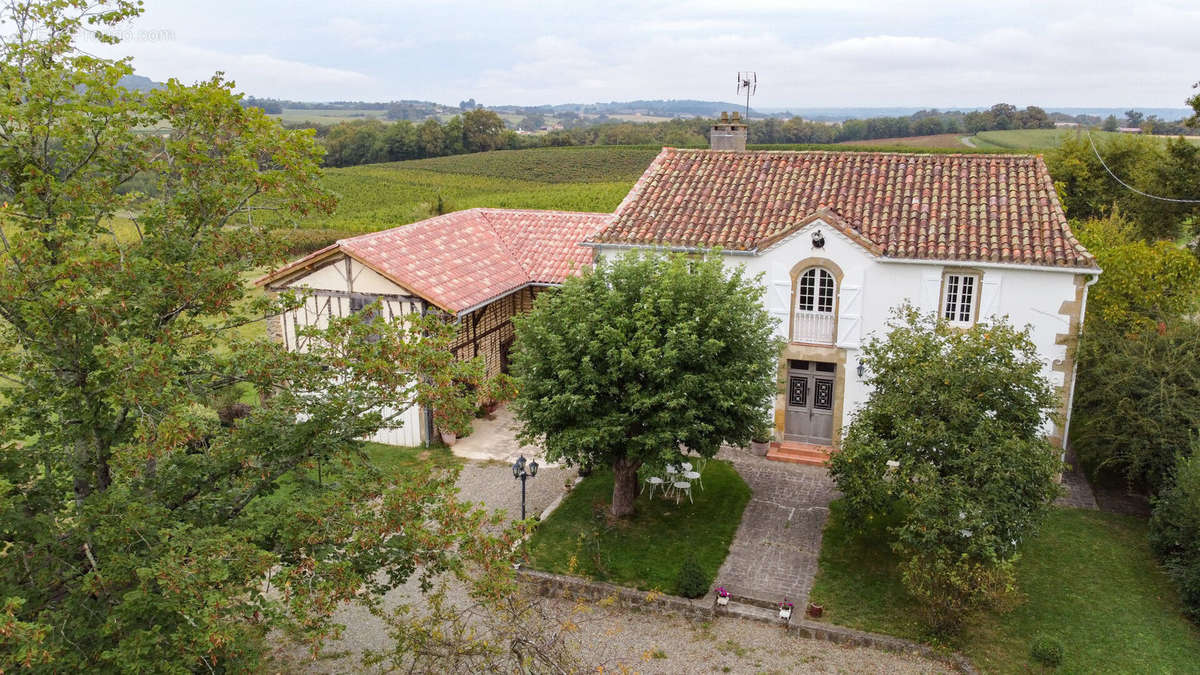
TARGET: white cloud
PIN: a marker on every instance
(357, 34)
(255, 73)
(807, 52)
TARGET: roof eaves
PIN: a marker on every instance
(298, 265)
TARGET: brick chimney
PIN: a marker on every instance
(728, 133)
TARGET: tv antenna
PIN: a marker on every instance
(747, 83)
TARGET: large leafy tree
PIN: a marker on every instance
(635, 358)
(140, 532)
(1137, 399)
(949, 449)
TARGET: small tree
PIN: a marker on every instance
(636, 358)
(950, 443)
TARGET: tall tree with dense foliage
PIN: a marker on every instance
(637, 357)
(1137, 395)
(1143, 283)
(139, 530)
(950, 445)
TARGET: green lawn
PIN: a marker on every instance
(1088, 578)
(645, 552)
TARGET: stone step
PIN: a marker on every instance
(799, 453)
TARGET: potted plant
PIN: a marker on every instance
(814, 610)
(761, 437)
(452, 424)
(785, 610)
(498, 389)
(722, 596)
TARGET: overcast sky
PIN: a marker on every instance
(807, 54)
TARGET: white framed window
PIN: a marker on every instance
(960, 298)
(813, 317)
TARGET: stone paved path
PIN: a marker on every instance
(774, 553)
(1079, 493)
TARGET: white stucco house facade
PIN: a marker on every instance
(843, 238)
(840, 239)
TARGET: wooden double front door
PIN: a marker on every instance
(810, 397)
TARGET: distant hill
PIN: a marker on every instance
(658, 108)
(841, 114)
(139, 83)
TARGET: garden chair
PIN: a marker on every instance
(681, 487)
(653, 482)
(694, 476)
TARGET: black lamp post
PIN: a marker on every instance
(522, 471)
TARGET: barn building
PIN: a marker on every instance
(477, 268)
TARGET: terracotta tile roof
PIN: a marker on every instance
(462, 259)
(983, 208)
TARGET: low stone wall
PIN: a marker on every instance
(704, 609)
(559, 585)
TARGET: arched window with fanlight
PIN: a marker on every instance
(813, 318)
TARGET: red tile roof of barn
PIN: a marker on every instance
(462, 259)
(983, 208)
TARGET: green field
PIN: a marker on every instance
(379, 196)
(295, 115)
(1024, 140)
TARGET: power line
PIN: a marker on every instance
(1130, 187)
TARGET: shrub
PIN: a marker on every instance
(949, 588)
(1047, 650)
(691, 582)
(1175, 529)
(950, 444)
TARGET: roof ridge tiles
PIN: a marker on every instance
(504, 244)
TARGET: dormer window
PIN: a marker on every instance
(960, 298)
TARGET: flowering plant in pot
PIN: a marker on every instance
(761, 437)
(722, 596)
(785, 609)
